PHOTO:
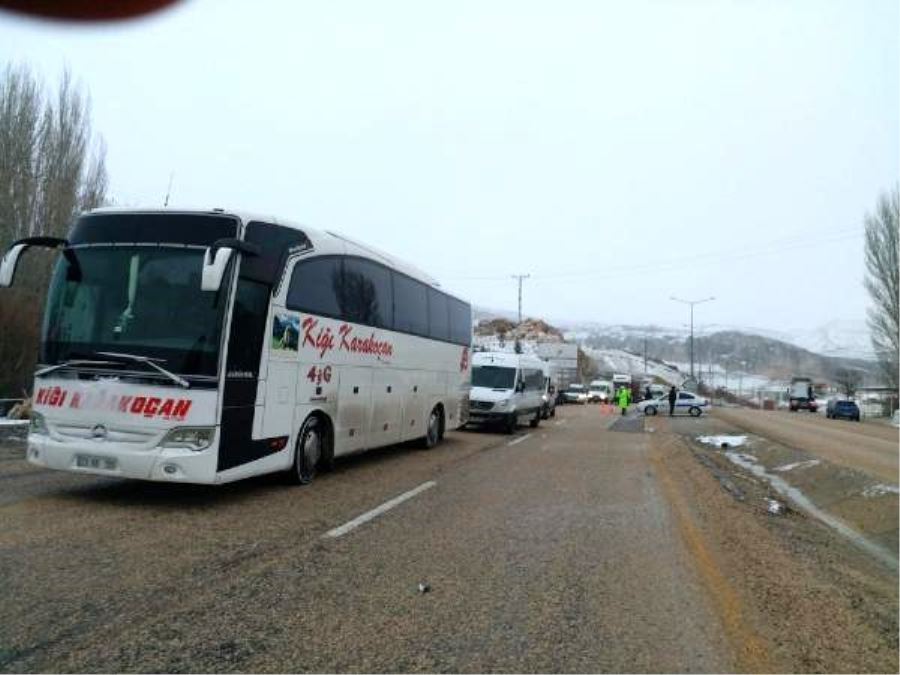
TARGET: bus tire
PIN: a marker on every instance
(434, 429)
(309, 449)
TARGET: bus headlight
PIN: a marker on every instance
(38, 425)
(189, 438)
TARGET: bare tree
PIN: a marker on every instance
(52, 166)
(848, 380)
(883, 281)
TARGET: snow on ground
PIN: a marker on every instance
(796, 465)
(880, 489)
(727, 441)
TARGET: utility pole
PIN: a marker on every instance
(645, 355)
(692, 303)
(520, 278)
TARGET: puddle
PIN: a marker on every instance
(803, 502)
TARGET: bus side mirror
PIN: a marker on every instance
(11, 259)
(214, 266)
(9, 263)
(217, 257)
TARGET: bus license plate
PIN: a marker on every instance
(94, 462)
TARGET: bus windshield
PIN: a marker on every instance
(140, 299)
(493, 377)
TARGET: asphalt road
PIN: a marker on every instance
(866, 446)
(590, 544)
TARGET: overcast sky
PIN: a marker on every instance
(619, 152)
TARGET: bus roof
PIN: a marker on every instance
(323, 241)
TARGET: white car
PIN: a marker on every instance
(687, 402)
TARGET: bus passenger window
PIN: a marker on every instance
(316, 287)
(438, 315)
(410, 305)
(366, 294)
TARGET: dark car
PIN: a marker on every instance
(842, 410)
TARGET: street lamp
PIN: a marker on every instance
(692, 303)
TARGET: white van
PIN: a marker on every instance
(601, 391)
(507, 389)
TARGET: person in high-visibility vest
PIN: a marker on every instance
(624, 397)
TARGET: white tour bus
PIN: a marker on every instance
(507, 388)
(209, 346)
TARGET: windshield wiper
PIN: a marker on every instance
(74, 363)
(147, 361)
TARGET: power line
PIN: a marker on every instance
(712, 257)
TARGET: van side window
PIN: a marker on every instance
(438, 315)
(411, 305)
(365, 295)
(316, 287)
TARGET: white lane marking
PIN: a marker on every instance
(378, 510)
(519, 439)
(560, 422)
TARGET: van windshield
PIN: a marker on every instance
(493, 377)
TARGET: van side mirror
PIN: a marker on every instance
(217, 257)
(11, 258)
(520, 386)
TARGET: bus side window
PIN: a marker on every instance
(410, 305)
(366, 294)
(316, 287)
(438, 315)
(460, 322)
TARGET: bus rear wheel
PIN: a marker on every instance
(434, 431)
(309, 451)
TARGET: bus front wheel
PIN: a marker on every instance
(309, 451)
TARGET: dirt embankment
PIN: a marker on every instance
(792, 594)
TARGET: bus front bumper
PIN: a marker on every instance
(90, 457)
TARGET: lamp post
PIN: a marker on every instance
(692, 303)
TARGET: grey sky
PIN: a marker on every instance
(606, 148)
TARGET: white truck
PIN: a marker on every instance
(507, 388)
(600, 391)
(801, 395)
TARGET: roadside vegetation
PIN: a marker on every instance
(52, 166)
(883, 282)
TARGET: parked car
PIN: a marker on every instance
(687, 402)
(842, 410)
(576, 393)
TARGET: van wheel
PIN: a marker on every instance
(535, 420)
(553, 411)
(695, 411)
(435, 429)
(512, 421)
(308, 453)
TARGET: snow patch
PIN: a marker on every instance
(880, 489)
(728, 441)
(797, 465)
